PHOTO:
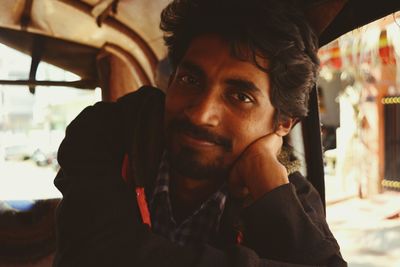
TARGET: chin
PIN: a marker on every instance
(196, 164)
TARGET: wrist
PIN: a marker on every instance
(275, 176)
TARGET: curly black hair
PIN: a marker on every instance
(275, 30)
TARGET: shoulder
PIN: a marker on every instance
(144, 93)
(118, 116)
(108, 126)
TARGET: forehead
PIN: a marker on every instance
(219, 48)
(214, 57)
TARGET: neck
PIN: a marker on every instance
(187, 194)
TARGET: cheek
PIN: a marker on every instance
(175, 105)
(169, 104)
(251, 129)
(173, 102)
(170, 110)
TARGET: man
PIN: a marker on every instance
(209, 180)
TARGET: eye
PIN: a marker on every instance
(189, 80)
(241, 97)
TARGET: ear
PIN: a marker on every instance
(284, 127)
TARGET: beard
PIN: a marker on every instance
(187, 162)
(190, 162)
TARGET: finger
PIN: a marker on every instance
(240, 192)
(273, 142)
(236, 185)
(248, 200)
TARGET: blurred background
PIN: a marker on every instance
(359, 97)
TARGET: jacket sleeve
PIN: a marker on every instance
(98, 220)
(289, 224)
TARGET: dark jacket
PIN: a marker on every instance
(99, 224)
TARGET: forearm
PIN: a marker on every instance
(290, 225)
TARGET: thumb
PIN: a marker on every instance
(236, 185)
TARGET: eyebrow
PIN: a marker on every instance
(244, 85)
(193, 68)
(237, 82)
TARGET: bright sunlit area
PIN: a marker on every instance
(359, 94)
(32, 126)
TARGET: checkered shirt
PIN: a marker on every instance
(201, 227)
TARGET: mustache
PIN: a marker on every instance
(185, 126)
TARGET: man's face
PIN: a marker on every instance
(216, 106)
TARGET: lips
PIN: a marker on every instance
(196, 136)
(195, 141)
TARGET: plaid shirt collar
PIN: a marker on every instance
(201, 227)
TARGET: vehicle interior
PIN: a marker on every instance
(109, 48)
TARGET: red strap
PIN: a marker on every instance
(140, 195)
(239, 237)
(144, 210)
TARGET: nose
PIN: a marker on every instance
(205, 110)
